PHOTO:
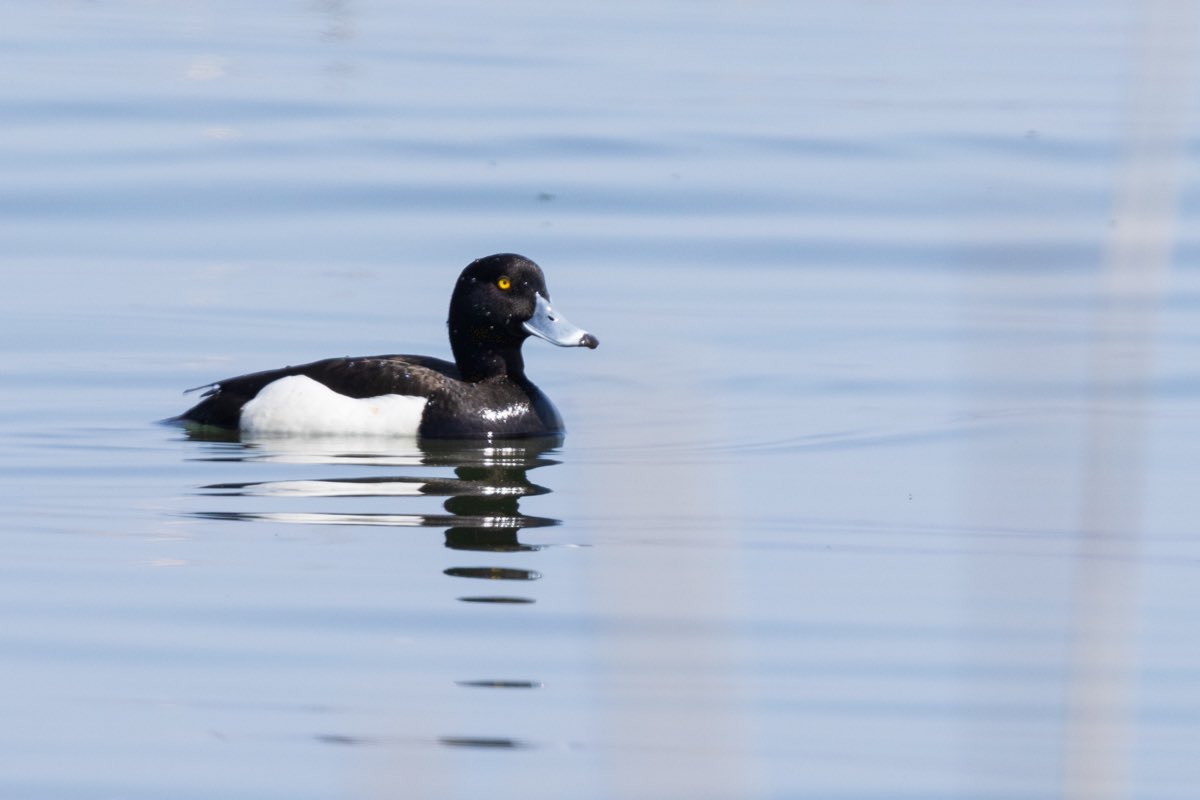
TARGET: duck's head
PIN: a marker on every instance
(499, 302)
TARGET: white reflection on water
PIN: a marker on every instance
(1099, 736)
(672, 715)
(1087, 467)
(330, 488)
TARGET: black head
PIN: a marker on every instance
(499, 302)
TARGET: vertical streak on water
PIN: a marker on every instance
(1099, 714)
(670, 718)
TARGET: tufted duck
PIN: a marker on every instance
(498, 302)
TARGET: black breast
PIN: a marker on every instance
(500, 407)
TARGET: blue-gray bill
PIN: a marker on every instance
(548, 324)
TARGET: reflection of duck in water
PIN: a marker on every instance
(482, 499)
(486, 515)
(498, 302)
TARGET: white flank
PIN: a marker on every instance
(299, 406)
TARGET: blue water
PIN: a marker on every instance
(880, 485)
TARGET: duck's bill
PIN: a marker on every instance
(548, 324)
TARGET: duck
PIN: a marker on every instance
(498, 302)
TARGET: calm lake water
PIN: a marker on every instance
(882, 483)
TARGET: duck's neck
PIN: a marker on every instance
(477, 363)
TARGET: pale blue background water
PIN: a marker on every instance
(881, 483)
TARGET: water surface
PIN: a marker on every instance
(881, 484)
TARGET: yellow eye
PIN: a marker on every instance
(504, 283)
